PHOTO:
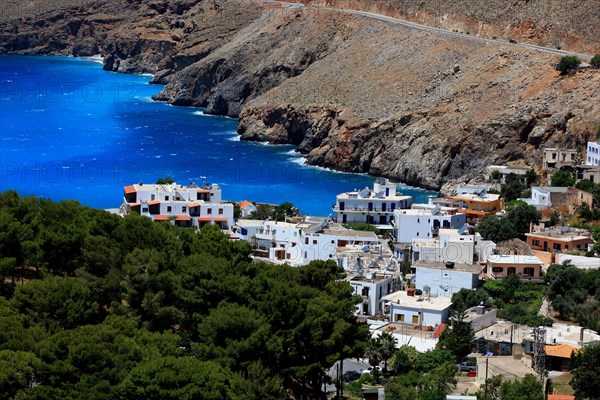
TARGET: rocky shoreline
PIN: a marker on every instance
(353, 94)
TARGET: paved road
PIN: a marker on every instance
(350, 364)
(549, 50)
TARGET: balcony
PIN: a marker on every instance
(265, 234)
(363, 210)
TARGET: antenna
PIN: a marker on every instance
(539, 351)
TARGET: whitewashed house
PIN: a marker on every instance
(423, 310)
(247, 208)
(185, 206)
(300, 243)
(593, 153)
(456, 245)
(246, 229)
(446, 278)
(425, 223)
(371, 206)
(372, 287)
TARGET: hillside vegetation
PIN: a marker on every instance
(93, 305)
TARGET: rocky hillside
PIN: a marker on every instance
(352, 92)
(568, 24)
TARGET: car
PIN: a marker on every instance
(370, 369)
(513, 41)
(467, 366)
(350, 376)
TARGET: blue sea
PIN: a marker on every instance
(69, 130)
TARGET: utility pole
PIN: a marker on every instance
(487, 360)
(512, 327)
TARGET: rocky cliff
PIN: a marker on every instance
(353, 93)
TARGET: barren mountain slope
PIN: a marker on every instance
(568, 24)
(352, 92)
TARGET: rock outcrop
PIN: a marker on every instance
(353, 93)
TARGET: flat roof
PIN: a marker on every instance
(248, 222)
(418, 211)
(567, 236)
(372, 196)
(472, 268)
(514, 259)
(402, 299)
(469, 196)
(551, 189)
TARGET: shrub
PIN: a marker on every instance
(568, 64)
(595, 61)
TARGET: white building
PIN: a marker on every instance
(247, 208)
(541, 196)
(504, 171)
(446, 278)
(425, 223)
(593, 153)
(300, 243)
(423, 310)
(186, 206)
(372, 287)
(371, 206)
(472, 189)
(453, 245)
(246, 229)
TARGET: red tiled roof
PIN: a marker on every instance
(245, 204)
(129, 189)
(203, 190)
(153, 202)
(560, 350)
(560, 397)
(440, 329)
(190, 205)
(220, 219)
(134, 204)
(161, 217)
(182, 218)
(203, 219)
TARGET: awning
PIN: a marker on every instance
(129, 189)
(192, 205)
(134, 204)
(183, 218)
(161, 218)
(154, 202)
(203, 219)
(220, 219)
(203, 190)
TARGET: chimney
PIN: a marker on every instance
(581, 335)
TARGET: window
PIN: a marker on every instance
(168, 208)
(145, 209)
(400, 317)
(305, 240)
(556, 246)
(314, 242)
(529, 271)
(209, 211)
(497, 269)
(184, 209)
(535, 242)
(511, 271)
(415, 319)
(166, 198)
(152, 197)
(220, 211)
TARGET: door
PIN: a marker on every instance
(382, 220)
(370, 206)
(344, 218)
(383, 206)
(342, 206)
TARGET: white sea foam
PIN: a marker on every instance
(234, 138)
